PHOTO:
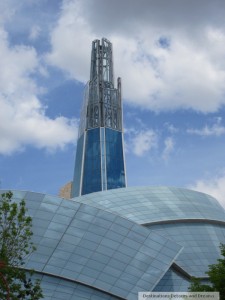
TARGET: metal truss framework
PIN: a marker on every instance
(102, 102)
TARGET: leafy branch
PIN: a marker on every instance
(15, 245)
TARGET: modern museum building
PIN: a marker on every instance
(110, 241)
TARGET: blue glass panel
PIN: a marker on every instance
(78, 167)
(114, 159)
(103, 159)
(92, 163)
(172, 281)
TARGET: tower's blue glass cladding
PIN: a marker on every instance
(100, 157)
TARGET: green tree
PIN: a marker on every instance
(15, 246)
(216, 275)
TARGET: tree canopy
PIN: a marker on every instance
(15, 245)
(216, 275)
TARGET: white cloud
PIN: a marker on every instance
(22, 116)
(171, 128)
(169, 147)
(8, 9)
(34, 32)
(141, 142)
(189, 73)
(215, 130)
(71, 41)
(214, 187)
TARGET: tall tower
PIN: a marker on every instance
(99, 161)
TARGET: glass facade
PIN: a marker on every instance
(201, 243)
(84, 246)
(92, 162)
(99, 161)
(113, 244)
(194, 220)
(77, 172)
(103, 163)
(57, 288)
(114, 159)
(145, 205)
(172, 281)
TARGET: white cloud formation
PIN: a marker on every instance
(166, 63)
(22, 116)
(215, 130)
(141, 142)
(171, 128)
(71, 40)
(8, 9)
(34, 32)
(169, 147)
(214, 186)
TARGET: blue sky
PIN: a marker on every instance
(170, 55)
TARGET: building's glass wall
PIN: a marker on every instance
(158, 204)
(80, 246)
(114, 159)
(201, 243)
(78, 168)
(103, 161)
(92, 163)
(56, 288)
(172, 281)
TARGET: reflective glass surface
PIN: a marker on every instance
(201, 243)
(78, 167)
(114, 159)
(103, 165)
(92, 163)
(146, 205)
(61, 289)
(172, 281)
(100, 245)
(84, 244)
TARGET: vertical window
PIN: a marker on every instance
(114, 159)
(92, 163)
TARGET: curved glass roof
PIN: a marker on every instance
(97, 242)
(87, 245)
(145, 205)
